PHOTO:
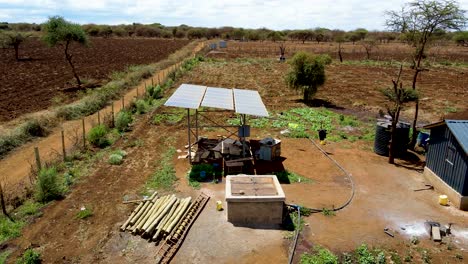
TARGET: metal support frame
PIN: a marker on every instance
(214, 124)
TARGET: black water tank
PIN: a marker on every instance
(383, 136)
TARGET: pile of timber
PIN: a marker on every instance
(156, 217)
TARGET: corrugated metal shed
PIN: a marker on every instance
(459, 129)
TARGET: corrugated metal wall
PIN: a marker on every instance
(447, 159)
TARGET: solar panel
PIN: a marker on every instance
(218, 98)
(249, 102)
(187, 96)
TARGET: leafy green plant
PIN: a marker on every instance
(97, 136)
(164, 177)
(364, 256)
(141, 106)
(321, 256)
(4, 255)
(123, 121)
(49, 187)
(154, 92)
(30, 256)
(84, 213)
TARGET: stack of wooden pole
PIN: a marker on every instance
(156, 217)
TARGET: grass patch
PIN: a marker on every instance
(288, 177)
(29, 209)
(328, 212)
(84, 213)
(164, 177)
(4, 255)
(173, 117)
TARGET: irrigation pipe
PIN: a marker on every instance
(315, 210)
(350, 177)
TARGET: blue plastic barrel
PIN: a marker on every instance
(422, 139)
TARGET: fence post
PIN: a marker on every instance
(63, 146)
(159, 81)
(152, 81)
(123, 103)
(138, 89)
(112, 113)
(38, 159)
(98, 118)
(84, 133)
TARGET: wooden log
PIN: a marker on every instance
(183, 206)
(156, 208)
(158, 218)
(145, 204)
(177, 219)
(122, 228)
(174, 214)
(144, 216)
(158, 215)
(164, 220)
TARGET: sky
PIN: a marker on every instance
(272, 14)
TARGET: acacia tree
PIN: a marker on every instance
(418, 20)
(307, 73)
(368, 44)
(398, 96)
(14, 39)
(58, 31)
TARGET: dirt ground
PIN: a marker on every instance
(349, 88)
(384, 196)
(30, 85)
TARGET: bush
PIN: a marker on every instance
(154, 92)
(49, 187)
(123, 120)
(97, 136)
(141, 106)
(196, 175)
(9, 229)
(34, 128)
(115, 159)
(30, 256)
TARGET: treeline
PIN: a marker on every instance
(318, 35)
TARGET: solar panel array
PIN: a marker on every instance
(249, 102)
(192, 96)
(187, 96)
(218, 98)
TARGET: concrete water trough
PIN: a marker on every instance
(254, 200)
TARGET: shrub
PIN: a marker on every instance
(154, 92)
(34, 128)
(196, 175)
(115, 159)
(30, 256)
(97, 136)
(49, 186)
(141, 106)
(9, 229)
(123, 120)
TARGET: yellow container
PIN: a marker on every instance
(443, 199)
(219, 206)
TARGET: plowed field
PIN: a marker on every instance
(31, 84)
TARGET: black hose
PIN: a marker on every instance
(298, 230)
(315, 210)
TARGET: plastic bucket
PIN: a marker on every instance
(219, 205)
(443, 199)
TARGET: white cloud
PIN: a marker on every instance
(275, 14)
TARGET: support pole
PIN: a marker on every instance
(112, 113)
(38, 159)
(188, 134)
(98, 118)
(196, 124)
(63, 146)
(84, 133)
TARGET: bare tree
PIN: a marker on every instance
(282, 48)
(398, 96)
(14, 39)
(2, 202)
(419, 20)
(369, 45)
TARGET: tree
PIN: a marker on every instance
(14, 39)
(340, 39)
(307, 73)
(369, 45)
(2, 203)
(461, 38)
(58, 31)
(419, 20)
(398, 96)
(274, 36)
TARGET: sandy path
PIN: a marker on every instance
(16, 166)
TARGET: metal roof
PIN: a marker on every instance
(249, 102)
(192, 96)
(459, 129)
(187, 96)
(218, 98)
